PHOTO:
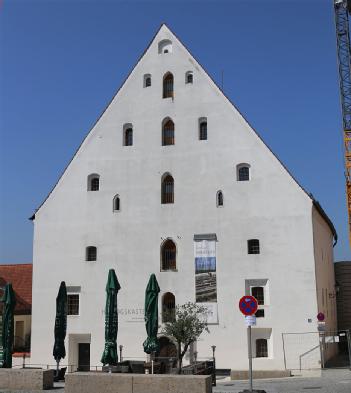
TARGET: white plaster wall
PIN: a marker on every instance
(325, 277)
(270, 207)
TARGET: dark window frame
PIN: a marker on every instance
(168, 86)
(203, 130)
(147, 81)
(244, 173)
(95, 183)
(128, 136)
(168, 256)
(253, 246)
(168, 132)
(73, 303)
(169, 308)
(261, 348)
(167, 189)
(189, 78)
(258, 293)
(116, 203)
(91, 254)
(219, 199)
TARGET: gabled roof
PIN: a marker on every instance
(315, 202)
(20, 276)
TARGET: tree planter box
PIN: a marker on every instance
(136, 383)
(26, 379)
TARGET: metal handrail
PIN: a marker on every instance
(306, 353)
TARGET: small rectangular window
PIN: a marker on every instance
(253, 246)
(203, 130)
(261, 348)
(72, 304)
(128, 137)
(258, 294)
(260, 313)
(91, 253)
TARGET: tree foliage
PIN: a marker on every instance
(186, 326)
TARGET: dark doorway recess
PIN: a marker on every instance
(83, 357)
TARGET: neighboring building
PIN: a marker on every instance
(343, 298)
(20, 276)
(172, 180)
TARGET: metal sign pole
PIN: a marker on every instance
(250, 357)
(248, 306)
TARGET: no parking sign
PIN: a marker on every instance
(248, 305)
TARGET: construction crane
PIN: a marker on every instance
(342, 9)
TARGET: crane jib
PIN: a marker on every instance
(342, 9)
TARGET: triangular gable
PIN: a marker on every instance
(215, 86)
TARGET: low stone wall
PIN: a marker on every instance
(259, 374)
(26, 378)
(93, 382)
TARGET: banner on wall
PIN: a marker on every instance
(205, 271)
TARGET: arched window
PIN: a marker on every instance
(91, 253)
(168, 255)
(147, 80)
(168, 85)
(253, 246)
(219, 198)
(93, 182)
(203, 128)
(189, 77)
(243, 172)
(116, 203)
(168, 307)
(167, 132)
(261, 348)
(165, 46)
(167, 189)
(258, 294)
(128, 136)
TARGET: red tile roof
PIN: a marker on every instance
(20, 276)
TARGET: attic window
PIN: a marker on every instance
(147, 80)
(93, 182)
(128, 134)
(189, 78)
(165, 46)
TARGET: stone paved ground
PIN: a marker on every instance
(331, 381)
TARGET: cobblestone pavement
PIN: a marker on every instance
(331, 381)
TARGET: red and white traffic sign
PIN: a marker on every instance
(248, 305)
(320, 317)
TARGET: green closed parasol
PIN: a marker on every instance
(9, 301)
(59, 351)
(151, 344)
(109, 355)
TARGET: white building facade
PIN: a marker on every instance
(171, 172)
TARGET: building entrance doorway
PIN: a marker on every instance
(167, 348)
(83, 357)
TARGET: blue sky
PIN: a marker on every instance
(62, 61)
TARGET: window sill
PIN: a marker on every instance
(169, 270)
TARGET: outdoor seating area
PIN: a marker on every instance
(132, 372)
(160, 366)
